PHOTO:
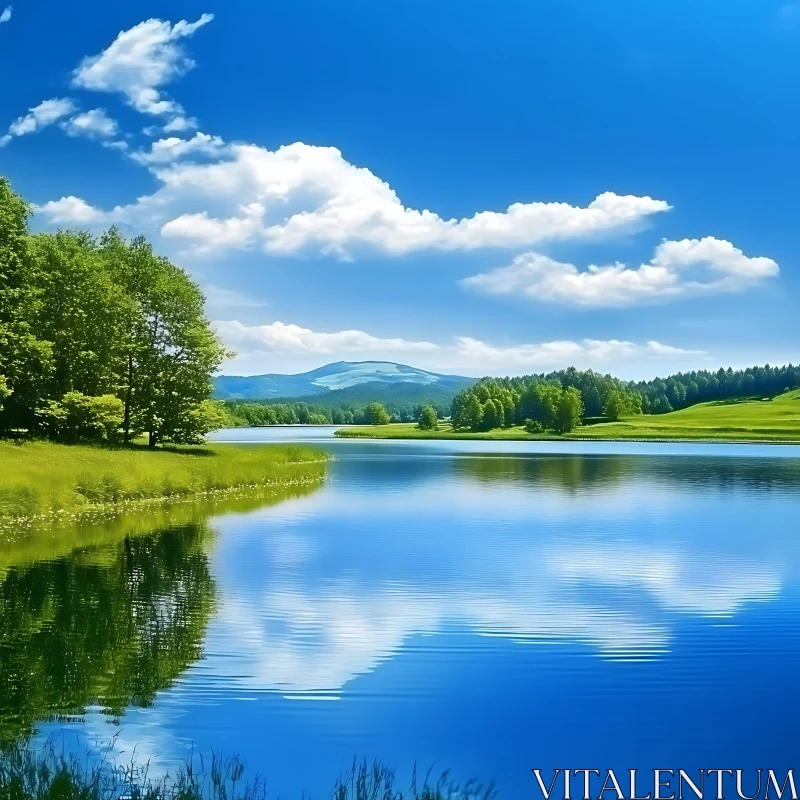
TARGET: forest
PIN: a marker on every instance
(556, 401)
(100, 338)
(560, 400)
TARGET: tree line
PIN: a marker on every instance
(685, 389)
(555, 402)
(244, 413)
(100, 338)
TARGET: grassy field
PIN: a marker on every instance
(776, 420)
(40, 479)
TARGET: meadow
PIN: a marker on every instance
(42, 479)
(776, 420)
(753, 420)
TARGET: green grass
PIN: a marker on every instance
(409, 430)
(41, 479)
(50, 774)
(776, 420)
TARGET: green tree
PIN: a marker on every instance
(81, 313)
(377, 414)
(569, 410)
(428, 421)
(491, 419)
(24, 358)
(473, 413)
(77, 416)
(170, 352)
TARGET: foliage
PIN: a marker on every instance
(428, 420)
(50, 773)
(618, 404)
(377, 414)
(110, 627)
(328, 410)
(685, 389)
(503, 403)
(77, 416)
(90, 318)
(602, 396)
(42, 478)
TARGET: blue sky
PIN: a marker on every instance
(472, 187)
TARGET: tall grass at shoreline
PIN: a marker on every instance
(41, 479)
(49, 773)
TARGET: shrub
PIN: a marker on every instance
(79, 416)
(532, 426)
(428, 421)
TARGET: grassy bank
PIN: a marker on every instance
(49, 774)
(409, 430)
(40, 479)
(776, 420)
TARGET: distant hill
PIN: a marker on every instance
(366, 380)
(392, 395)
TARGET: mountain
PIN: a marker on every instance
(371, 376)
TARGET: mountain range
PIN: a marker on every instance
(362, 378)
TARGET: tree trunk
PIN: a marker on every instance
(151, 442)
(127, 421)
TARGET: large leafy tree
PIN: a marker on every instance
(84, 321)
(170, 349)
(24, 358)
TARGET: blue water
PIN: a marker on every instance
(494, 607)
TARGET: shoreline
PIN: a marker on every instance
(414, 434)
(49, 483)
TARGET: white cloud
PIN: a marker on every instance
(165, 151)
(299, 198)
(72, 211)
(94, 124)
(45, 114)
(5, 16)
(678, 269)
(279, 347)
(139, 62)
(303, 198)
(586, 352)
(278, 338)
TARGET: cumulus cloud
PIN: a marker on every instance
(139, 62)
(678, 269)
(293, 340)
(165, 151)
(45, 114)
(303, 198)
(299, 198)
(72, 211)
(94, 124)
(5, 16)
(591, 352)
(278, 346)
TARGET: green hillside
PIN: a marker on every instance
(743, 420)
(776, 420)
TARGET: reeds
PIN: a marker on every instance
(51, 773)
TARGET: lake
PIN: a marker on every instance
(487, 607)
